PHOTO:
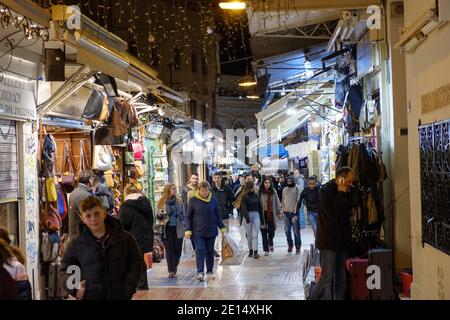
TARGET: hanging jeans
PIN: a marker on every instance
(312, 216)
(288, 225)
(252, 229)
(268, 235)
(332, 283)
(204, 251)
(173, 247)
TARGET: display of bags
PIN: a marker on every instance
(48, 156)
(124, 116)
(108, 175)
(104, 115)
(67, 173)
(103, 158)
(50, 188)
(52, 218)
(94, 106)
(129, 158)
(138, 150)
(62, 203)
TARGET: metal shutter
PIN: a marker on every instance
(9, 161)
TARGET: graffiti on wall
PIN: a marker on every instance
(32, 252)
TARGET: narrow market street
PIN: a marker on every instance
(274, 277)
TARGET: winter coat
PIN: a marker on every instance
(225, 199)
(178, 207)
(111, 268)
(8, 289)
(251, 202)
(202, 217)
(276, 208)
(311, 198)
(290, 199)
(79, 194)
(279, 188)
(334, 226)
(137, 219)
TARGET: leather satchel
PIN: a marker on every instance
(105, 136)
(67, 176)
(94, 106)
(139, 169)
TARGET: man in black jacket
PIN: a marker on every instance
(334, 235)
(107, 256)
(225, 198)
(310, 196)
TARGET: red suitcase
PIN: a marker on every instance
(357, 280)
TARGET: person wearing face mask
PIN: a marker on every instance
(271, 209)
(81, 192)
(334, 235)
(291, 194)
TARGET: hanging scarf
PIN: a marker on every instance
(269, 205)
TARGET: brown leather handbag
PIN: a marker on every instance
(67, 173)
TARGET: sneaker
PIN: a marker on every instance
(210, 276)
(200, 277)
(290, 249)
(266, 253)
(271, 248)
(250, 255)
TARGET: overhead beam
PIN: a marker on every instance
(30, 10)
(276, 5)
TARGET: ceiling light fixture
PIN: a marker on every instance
(233, 5)
(247, 81)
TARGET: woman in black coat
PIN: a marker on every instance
(137, 218)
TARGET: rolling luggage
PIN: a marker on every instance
(357, 279)
(383, 258)
(56, 289)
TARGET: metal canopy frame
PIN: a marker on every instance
(318, 31)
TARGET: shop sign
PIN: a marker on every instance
(17, 98)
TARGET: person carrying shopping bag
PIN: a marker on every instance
(201, 222)
(250, 210)
(170, 208)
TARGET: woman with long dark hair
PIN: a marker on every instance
(250, 210)
(171, 207)
(271, 208)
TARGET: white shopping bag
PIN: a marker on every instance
(232, 244)
(187, 251)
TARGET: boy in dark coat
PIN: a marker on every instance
(107, 256)
(202, 220)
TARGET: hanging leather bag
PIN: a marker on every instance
(94, 106)
(105, 136)
(83, 164)
(103, 158)
(67, 173)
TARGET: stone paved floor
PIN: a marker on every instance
(275, 277)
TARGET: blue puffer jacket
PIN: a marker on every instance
(202, 216)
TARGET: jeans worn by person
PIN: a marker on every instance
(204, 250)
(268, 235)
(252, 230)
(288, 226)
(312, 217)
(302, 219)
(332, 283)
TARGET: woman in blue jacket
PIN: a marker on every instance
(201, 221)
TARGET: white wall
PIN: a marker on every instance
(426, 70)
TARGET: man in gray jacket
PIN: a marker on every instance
(81, 192)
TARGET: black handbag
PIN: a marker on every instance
(94, 106)
(105, 136)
